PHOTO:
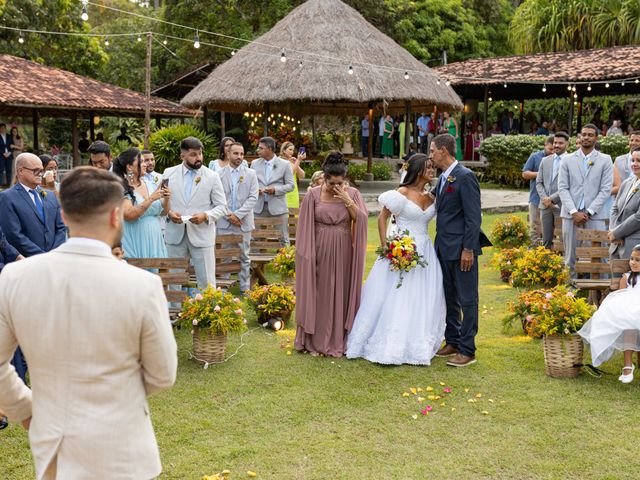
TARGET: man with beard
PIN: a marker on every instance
(94, 358)
(197, 203)
(149, 165)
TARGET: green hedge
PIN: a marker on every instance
(165, 145)
(506, 155)
(381, 171)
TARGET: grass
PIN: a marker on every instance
(298, 417)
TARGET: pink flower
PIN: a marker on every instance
(195, 322)
(236, 300)
(426, 409)
(198, 297)
(239, 311)
(570, 294)
(529, 318)
(216, 308)
(549, 296)
(447, 390)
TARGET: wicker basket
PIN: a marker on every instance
(561, 353)
(207, 347)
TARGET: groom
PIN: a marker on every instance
(459, 241)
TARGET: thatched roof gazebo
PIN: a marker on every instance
(321, 40)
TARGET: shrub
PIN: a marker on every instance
(539, 267)
(381, 171)
(510, 232)
(507, 155)
(165, 145)
(356, 171)
(285, 261)
(272, 300)
(554, 311)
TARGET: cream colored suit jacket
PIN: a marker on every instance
(207, 196)
(97, 337)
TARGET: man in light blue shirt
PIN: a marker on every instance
(530, 172)
(423, 131)
(364, 136)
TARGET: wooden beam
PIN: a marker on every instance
(372, 132)
(75, 153)
(407, 126)
(34, 119)
(485, 114)
(92, 126)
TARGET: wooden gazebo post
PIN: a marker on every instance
(485, 114)
(369, 176)
(34, 119)
(407, 126)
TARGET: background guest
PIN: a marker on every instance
(331, 244)
(275, 180)
(240, 185)
(547, 188)
(364, 136)
(143, 203)
(530, 172)
(387, 137)
(148, 171)
(317, 179)
(17, 144)
(623, 162)
(223, 161)
(286, 153)
(6, 159)
(451, 126)
(624, 225)
(100, 155)
(50, 176)
(197, 203)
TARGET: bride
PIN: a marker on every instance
(403, 325)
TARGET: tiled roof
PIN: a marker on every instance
(579, 66)
(29, 84)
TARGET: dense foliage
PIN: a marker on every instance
(165, 144)
(212, 309)
(539, 267)
(510, 232)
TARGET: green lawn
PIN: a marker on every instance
(292, 416)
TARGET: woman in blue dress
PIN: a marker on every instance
(144, 203)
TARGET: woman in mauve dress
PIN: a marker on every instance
(331, 244)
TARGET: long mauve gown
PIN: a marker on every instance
(330, 255)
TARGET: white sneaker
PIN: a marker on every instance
(627, 378)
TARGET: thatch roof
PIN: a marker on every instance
(54, 92)
(338, 36)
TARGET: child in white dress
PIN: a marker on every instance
(616, 324)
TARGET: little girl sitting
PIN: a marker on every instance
(616, 324)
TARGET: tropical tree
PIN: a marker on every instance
(566, 25)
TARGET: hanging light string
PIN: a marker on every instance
(281, 54)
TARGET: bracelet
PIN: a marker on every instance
(349, 205)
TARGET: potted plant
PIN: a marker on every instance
(212, 314)
(539, 267)
(510, 232)
(285, 263)
(561, 315)
(273, 304)
(505, 260)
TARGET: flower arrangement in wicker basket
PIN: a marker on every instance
(212, 314)
(271, 301)
(510, 232)
(285, 262)
(505, 259)
(539, 267)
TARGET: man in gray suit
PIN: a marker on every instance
(624, 225)
(240, 185)
(197, 203)
(623, 162)
(584, 184)
(547, 187)
(275, 180)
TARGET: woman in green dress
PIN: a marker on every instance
(451, 125)
(286, 153)
(387, 138)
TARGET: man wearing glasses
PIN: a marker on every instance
(30, 219)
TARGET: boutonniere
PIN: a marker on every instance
(197, 180)
(43, 194)
(155, 179)
(590, 163)
(635, 190)
(451, 179)
(241, 179)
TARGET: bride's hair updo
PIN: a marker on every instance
(416, 166)
(334, 165)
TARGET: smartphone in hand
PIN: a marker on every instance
(164, 183)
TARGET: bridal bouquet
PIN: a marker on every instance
(401, 252)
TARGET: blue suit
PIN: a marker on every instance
(458, 227)
(22, 225)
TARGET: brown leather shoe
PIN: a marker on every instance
(447, 351)
(460, 360)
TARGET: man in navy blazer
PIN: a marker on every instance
(29, 215)
(459, 241)
(6, 157)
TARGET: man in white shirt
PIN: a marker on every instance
(623, 162)
(149, 173)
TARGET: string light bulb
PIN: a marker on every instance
(637, 80)
(84, 15)
(589, 87)
(447, 83)
(21, 37)
(106, 41)
(300, 64)
(283, 57)
(350, 70)
(406, 75)
(573, 88)
(606, 85)
(544, 87)
(569, 87)
(139, 38)
(490, 99)
(233, 52)
(505, 85)
(622, 83)
(196, 41)
(164, 42)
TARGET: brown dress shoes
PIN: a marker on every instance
(447, 351)
(460, 360)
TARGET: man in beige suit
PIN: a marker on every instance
(96, 349)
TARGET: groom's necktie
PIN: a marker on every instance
(441, 183)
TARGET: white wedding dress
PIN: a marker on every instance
(401, 325)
